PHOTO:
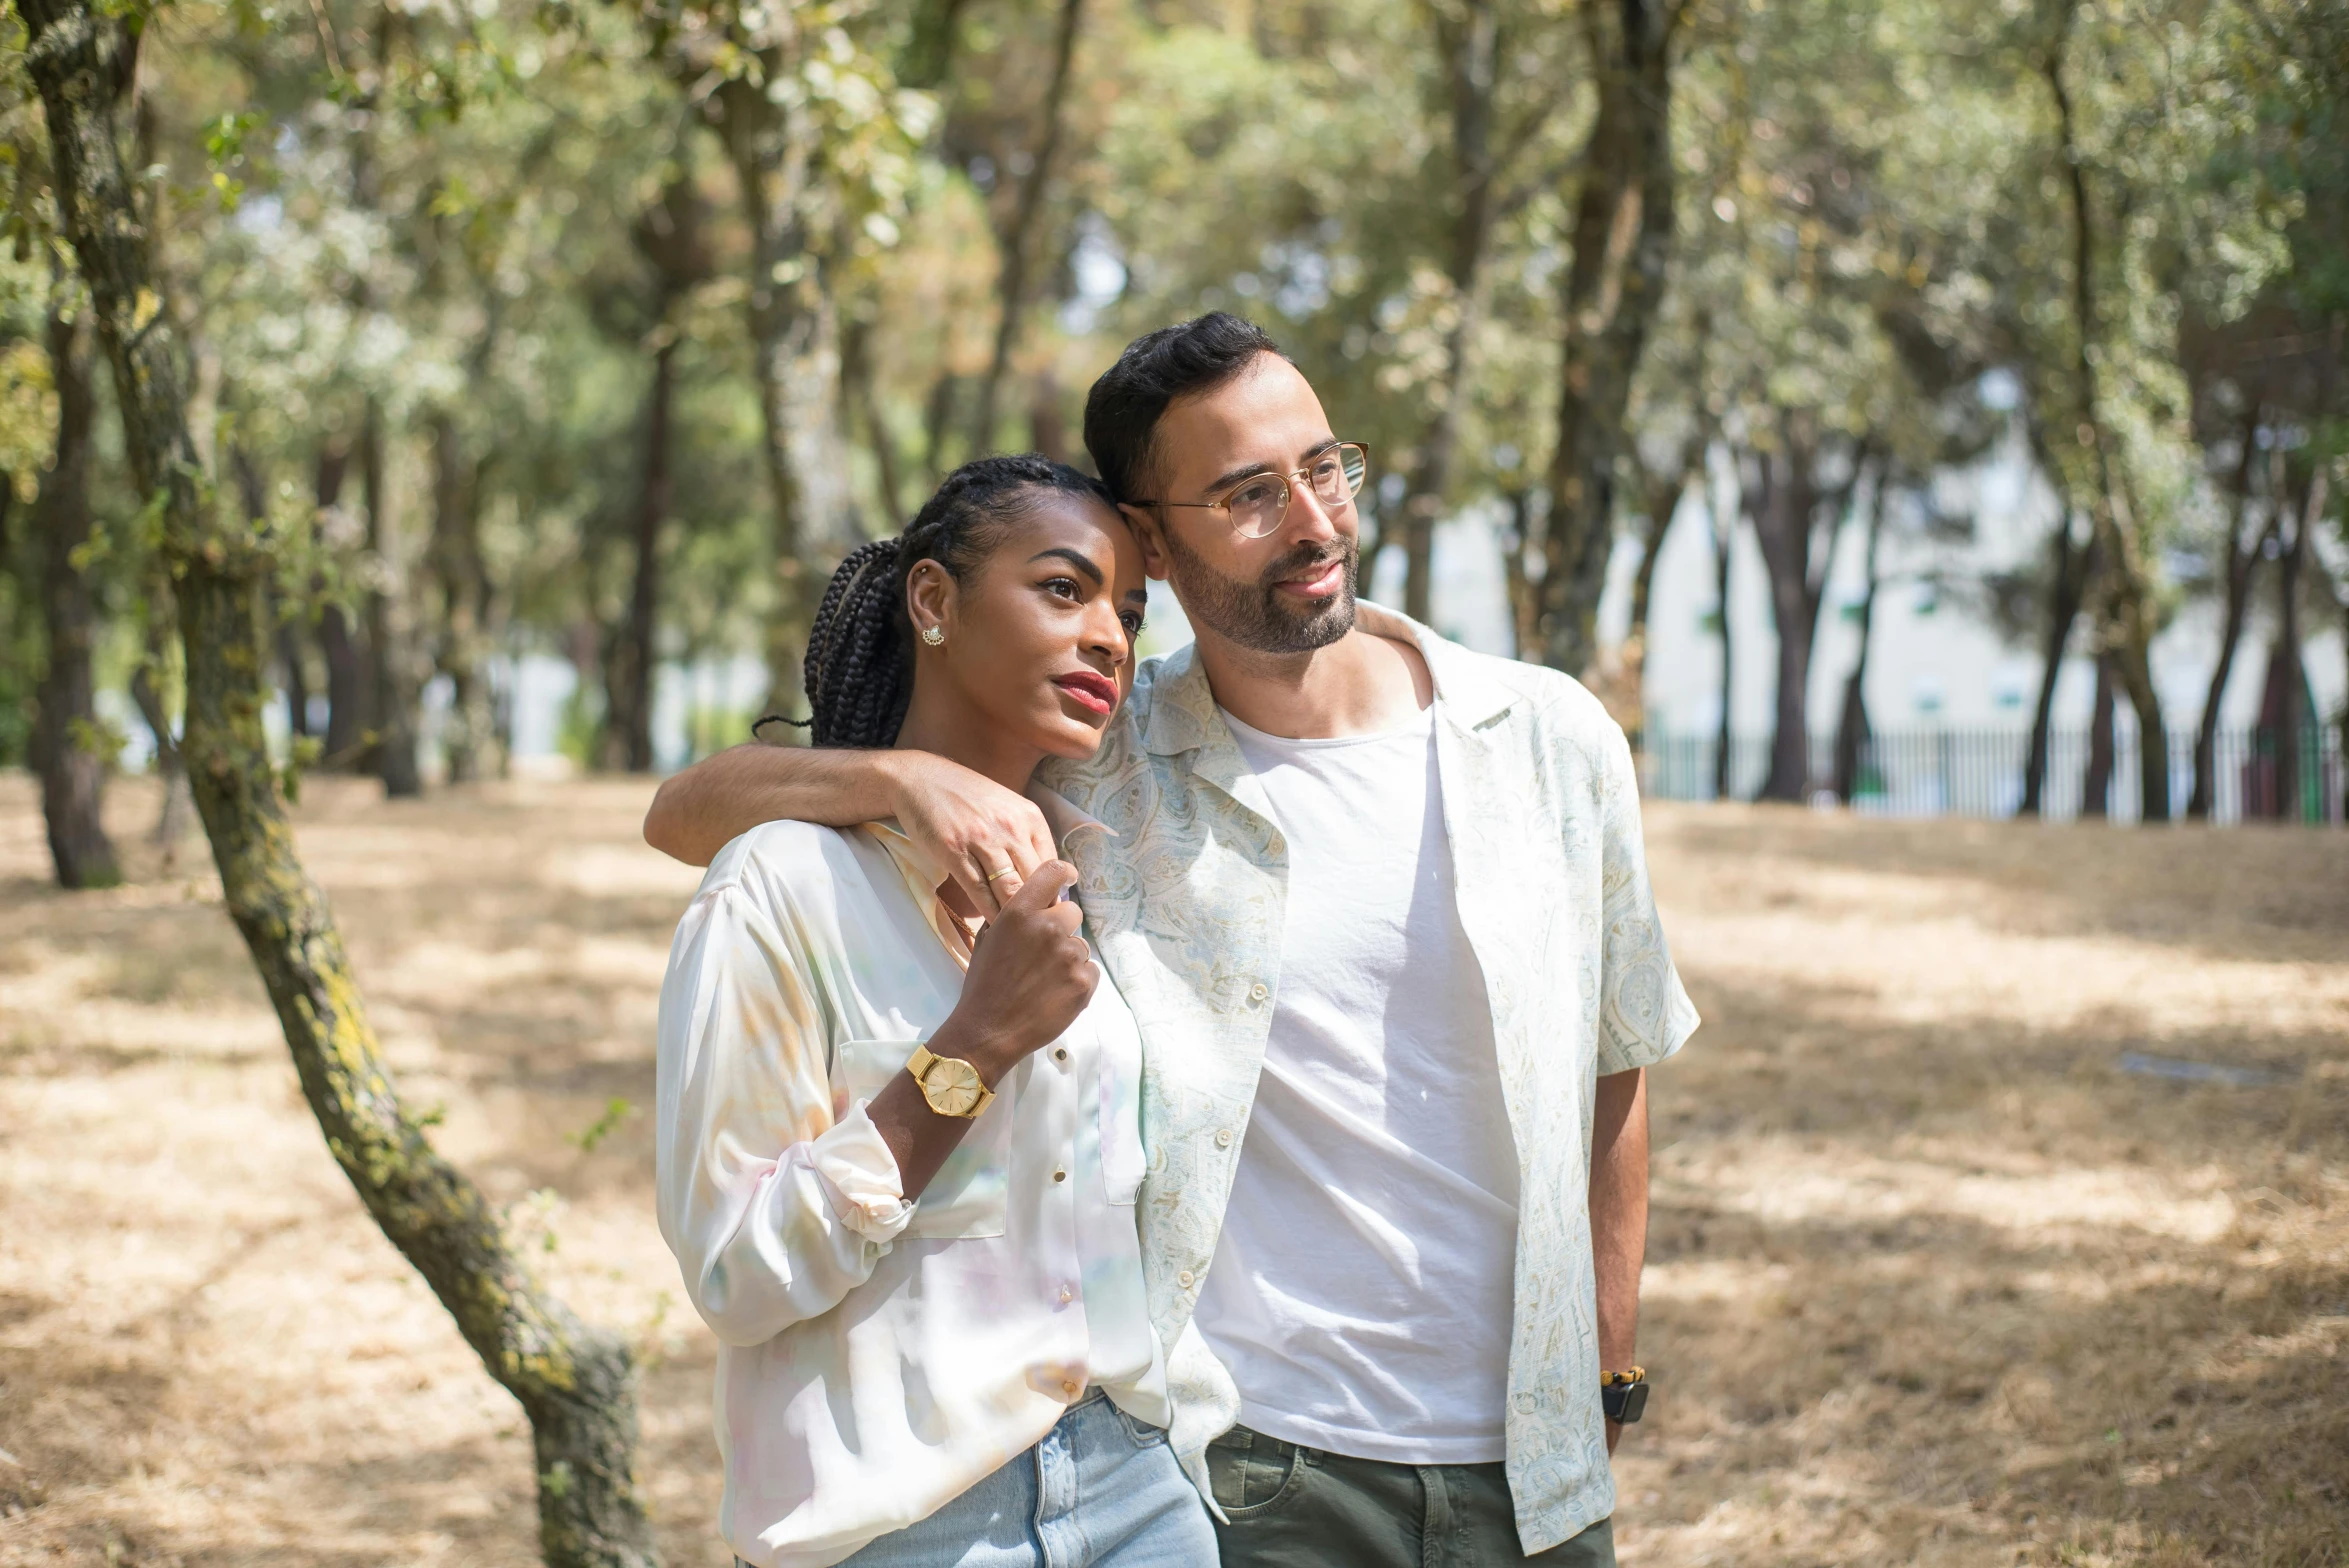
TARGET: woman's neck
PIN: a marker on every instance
(960, 733)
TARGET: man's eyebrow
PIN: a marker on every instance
(1138, 596)
(1225, 481)
(1074, 558)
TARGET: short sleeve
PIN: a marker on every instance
(1644, 1013)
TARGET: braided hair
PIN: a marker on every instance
(859, 664)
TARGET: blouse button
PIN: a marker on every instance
(1223, 1137)
(1068, 1388)
(1060, 1054)
(1060, 1175)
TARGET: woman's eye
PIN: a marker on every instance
(1066, 587)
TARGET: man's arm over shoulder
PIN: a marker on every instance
(969, 823)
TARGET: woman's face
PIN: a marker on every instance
(1039, 640)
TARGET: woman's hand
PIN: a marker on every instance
(971, 825)
(1031, 974)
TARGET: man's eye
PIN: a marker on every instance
(1134, 623)
(1257, 492)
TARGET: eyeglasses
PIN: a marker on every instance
(1259, 502)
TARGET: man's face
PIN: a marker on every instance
(1289, 592)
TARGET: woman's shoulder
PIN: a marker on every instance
(790, 862)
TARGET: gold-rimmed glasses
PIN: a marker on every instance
(1258, 503)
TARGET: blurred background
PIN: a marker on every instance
(1923, 424)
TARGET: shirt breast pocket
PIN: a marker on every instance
(1120, 1073)
(970, 1195)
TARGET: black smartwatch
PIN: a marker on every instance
(1624, 1395)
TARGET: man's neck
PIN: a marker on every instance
(1362, 684)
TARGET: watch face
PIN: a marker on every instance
(952, 1087)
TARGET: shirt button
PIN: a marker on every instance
(1068, 1388)
(1223, 1137)
(1258, 992)
(1185, 1279)
(1067, 1295)
(1060, 1175)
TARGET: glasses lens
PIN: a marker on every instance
(1337, 474)
(1259, 505)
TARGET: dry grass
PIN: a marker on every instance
(1934, 1282)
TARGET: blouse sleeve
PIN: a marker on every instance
(1644, 1013)
(774, 1209)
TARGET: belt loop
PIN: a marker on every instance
(1435, 1520)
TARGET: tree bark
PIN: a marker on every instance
(2073, 567)
(468, 741)
(2096, 782)
(630, 695)
(2242, 566)
(1016, 245)
(795, 361)
(1468, 41)
(1724, 557)
(350, 684)
(1622, 235)
(2123, 597)
(2292, 712)
(65, 729)
(1851, 725)
(395, 695)
(576, 1384)
(1787, 501)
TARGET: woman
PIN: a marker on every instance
(898, 1152)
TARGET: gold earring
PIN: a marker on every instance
(933, 636)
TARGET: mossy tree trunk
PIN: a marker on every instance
(576, 1384)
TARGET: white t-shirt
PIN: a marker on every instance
(1360, 1294)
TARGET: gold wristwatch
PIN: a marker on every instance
(951, 1085)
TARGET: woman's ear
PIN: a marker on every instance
(930, 602)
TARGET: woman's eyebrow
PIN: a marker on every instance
(1074, 558)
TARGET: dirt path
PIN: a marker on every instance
(1935, 1280)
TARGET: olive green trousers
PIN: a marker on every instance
(1297, 1507)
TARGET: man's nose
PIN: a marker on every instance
(1309, 520)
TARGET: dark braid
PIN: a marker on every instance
(860, 664)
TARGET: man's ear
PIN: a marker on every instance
(1145, 523)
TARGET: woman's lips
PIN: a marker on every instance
(1097, 692)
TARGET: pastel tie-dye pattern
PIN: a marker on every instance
(878, 1358)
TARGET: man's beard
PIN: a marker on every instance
(1253, 614)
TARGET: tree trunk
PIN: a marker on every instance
(2074, 565)
(2292, 714)
(1622, 236)
(1724, 557)
(396, 694)
(65, 729)
(1468, 43)
(467, 738)
(1786, 506)
(2096, 782)
(796, 364)
(179, 806)
(2242, 565)
(1017, 243)
(2124, 598)
(861, 394)
(630, 694)
(1851, 725)
(576, 1384)
(350, 686)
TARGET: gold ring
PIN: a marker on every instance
(997, 876)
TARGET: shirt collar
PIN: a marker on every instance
(1183, 716)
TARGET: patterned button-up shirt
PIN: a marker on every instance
(1185, 903)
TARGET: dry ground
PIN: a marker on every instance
(1934, 1281)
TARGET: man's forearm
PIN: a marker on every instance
(698, 812)
(1619, 1211)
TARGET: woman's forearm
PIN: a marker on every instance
(699, 811)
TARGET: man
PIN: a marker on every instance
(1381, 908)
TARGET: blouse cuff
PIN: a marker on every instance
(860, 1175)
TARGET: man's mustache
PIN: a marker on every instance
(1304, 558)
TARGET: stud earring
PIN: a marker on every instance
(933, 636)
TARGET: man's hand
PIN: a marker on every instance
(971, 825)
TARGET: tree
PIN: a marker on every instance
(576, 1384)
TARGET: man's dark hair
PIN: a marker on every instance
(1124, 407)
(860, 646)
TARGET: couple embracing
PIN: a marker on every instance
(1125, 1117)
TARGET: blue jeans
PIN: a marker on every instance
(1102, 1490)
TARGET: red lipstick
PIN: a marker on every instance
(1097, 692)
